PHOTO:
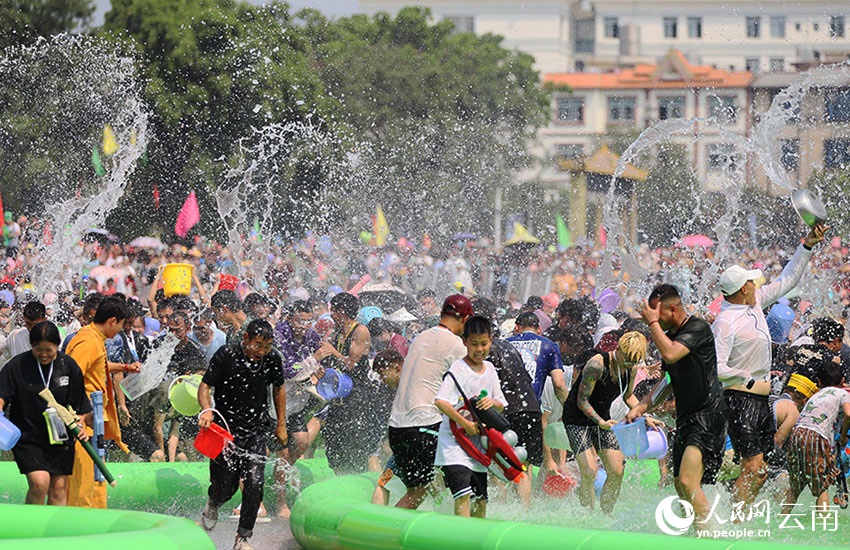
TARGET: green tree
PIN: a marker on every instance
(442, 118)
(669, 198)
(216, 71)
(23, 21)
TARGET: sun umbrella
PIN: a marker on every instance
(695, 241)
(147, 242)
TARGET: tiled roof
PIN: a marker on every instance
(603, 161)
(672, 71)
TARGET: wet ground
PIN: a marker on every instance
(274, 535)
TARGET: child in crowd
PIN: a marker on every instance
(387, 365)
(809, 451)
(465, 477)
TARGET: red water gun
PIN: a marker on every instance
(497, 452)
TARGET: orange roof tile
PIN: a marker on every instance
(672, 71)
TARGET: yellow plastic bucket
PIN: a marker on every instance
(183, 394)
(177, 279)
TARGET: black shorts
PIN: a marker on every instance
(529, 431)
(415, 450)
(751, 426)
(707, 432)
(462, 482)
(583, 438)
(55, 459)
(297, 422)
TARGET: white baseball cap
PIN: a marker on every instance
(735, 277)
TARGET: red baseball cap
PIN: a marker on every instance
(457, 305)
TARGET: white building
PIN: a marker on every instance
(567, 35)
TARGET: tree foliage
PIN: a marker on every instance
(669, 198)
(443, 118)
(24, 21)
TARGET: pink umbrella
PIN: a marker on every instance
(694, 241)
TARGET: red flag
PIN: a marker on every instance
(189, 215)
(2, 215)
(48, 233)
(603, 236)
(156, 196)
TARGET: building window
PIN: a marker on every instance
(777, 64)
(621, 109)
(670, 27)
(753, 64)
(838, 105)
(790, 154)
(724, 108)
(836, 153)
(463, 23)
(694, 27)
(612, 29)
(570, 109)
(836, 26)
(722, 156)
(567, 151)
(777, 26)
(753, 26)
(671, 107)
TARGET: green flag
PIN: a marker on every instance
(257, 233)
(95, 160)
(565, 240)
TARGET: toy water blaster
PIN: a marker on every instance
(69, 418)
(500, 454)
(99, 431)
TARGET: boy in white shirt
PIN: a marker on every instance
(465, 477)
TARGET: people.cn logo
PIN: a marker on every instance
(669, 521)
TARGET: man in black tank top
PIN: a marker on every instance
(687, 349)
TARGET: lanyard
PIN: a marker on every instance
(49, 374)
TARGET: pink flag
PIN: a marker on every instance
(603, 236)
(189, 215)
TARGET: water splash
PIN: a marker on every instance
(71, 86)
(763, 148)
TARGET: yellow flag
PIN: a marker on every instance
(521, 235)
(110, 146)
(381, 229)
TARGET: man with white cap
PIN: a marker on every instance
(742, 341)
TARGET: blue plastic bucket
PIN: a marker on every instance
(631, 437)
(334, 385)
(780, 319)
(657, 440)
(9, 433)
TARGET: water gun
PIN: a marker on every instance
(500, 454)
(70, 419)
(99, 429)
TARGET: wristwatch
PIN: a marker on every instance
(751, 383)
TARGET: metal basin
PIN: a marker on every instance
(808, 206)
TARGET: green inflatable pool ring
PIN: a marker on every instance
(337, 515)
(69, 528)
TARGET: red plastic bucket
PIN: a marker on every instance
(558, 486)
(211, 441)
(227, 282)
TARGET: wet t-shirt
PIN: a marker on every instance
(822, 409)
(20, 382)
(240, 388)
(540, 355)
(694, 377)
(513, 378)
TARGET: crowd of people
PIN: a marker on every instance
(263, 345)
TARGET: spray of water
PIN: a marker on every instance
(763, 146)
(72, 86)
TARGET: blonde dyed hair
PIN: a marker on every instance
(632, 347)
